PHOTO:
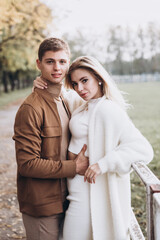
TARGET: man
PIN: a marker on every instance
(41, 141)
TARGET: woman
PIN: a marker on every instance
(101, 210)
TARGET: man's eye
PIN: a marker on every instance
(62, 61)
(49, 61)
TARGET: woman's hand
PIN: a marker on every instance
(39, 83)
(92, 172)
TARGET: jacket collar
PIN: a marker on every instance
(44, 93)
(83, 106)
(53, 91)
(51, 96)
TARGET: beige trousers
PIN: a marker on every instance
(43, 228)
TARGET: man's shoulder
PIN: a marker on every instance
(33, 103)
(32, 98)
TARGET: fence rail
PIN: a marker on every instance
(145, 77)
(152, 184)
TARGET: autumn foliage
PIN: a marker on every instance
(23, 25)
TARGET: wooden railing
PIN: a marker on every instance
(152, 184)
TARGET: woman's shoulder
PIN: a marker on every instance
(111, 112)
(111, 107)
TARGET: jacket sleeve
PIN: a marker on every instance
(28, 141)
(131, 146)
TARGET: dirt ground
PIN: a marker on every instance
(11, 226)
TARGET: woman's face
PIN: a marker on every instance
(85, 84)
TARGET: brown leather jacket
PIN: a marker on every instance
(40, 169)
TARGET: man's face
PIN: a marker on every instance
(54, 66)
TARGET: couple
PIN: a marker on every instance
(103, 145)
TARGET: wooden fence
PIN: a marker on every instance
(137, 78)
(152, 184)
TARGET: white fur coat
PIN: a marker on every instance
(115, 143)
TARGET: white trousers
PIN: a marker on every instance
(77, 222)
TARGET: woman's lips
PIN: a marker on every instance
(83, 95)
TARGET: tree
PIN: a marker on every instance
(23, 25)
(152, 33)
(116, 48)
(77, 43)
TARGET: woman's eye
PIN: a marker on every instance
(74, 84)
(85, 80)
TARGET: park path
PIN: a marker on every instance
(11, 226)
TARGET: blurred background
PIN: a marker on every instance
(123, 35)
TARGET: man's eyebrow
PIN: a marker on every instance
(64, 59)
(49, 59)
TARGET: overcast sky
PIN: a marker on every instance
(96, 15)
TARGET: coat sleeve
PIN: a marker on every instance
(27, 138)
(131, 146)
(73, 99)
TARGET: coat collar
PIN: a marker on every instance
(83, 106)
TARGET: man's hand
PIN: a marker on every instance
(82, 162)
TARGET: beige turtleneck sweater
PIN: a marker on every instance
(55, 90)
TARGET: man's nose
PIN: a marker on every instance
(56, 66)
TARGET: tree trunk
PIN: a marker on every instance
(17, 79)
(12, 80)
(4, 81)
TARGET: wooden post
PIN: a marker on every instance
(152, 184)
(155, 191)
(156, 215)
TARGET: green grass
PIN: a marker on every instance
(11, 97)
(145, 98)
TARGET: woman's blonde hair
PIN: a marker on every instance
(109, 87)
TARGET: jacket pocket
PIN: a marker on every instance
(51, 140)
(43, 191)
(51, 132)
